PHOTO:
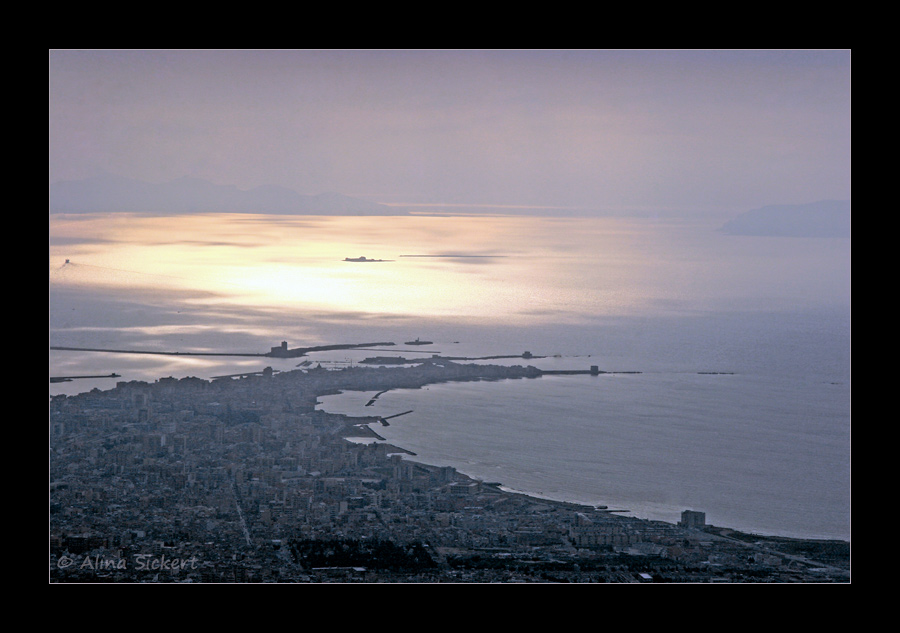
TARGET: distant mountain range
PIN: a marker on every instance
(827, 218)
(111, 194)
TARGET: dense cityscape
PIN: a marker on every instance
(242, 479)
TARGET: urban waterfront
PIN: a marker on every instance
(245, 480)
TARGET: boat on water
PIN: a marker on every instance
(418, 342)
(362, 259)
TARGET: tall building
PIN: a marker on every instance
(692, 519)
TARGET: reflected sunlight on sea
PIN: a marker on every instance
(764, 445)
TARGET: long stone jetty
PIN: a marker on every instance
(161, 353)
(281, 351)
(593, 371)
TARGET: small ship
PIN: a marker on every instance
(364, 259)
(418, 342)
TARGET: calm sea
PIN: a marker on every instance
(741, 408)
(763, 449)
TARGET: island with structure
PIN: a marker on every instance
(243, 479)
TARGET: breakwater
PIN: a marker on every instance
(136, 351)
(280, 351)
(593, 371)
(71, 378)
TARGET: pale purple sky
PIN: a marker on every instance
(584, 128)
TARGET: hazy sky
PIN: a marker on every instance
(586, 128)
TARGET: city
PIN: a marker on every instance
(243, 480)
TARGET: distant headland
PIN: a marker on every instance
(826, 218)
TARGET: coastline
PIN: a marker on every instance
(359, 429)
(809, 551)
(562, 498)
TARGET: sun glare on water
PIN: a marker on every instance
(513, 269)
(302, 261)
(470, 267)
